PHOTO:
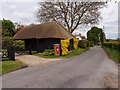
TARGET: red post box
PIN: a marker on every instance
(56, 49)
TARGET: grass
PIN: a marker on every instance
(72, 53)
(4, 50)
(7, 65)
(114, 54)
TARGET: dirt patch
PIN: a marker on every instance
(31, 60)
(111, 80)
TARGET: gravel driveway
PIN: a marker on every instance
(32, 60)
(92, 69)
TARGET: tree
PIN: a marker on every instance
(18, 27)
(96, 35)
(7, 28)
(103, 37)
(7, 42)
(70, 14)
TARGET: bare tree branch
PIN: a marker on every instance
(70, 14)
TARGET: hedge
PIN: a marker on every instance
(83, 44)
(19, 44)
(8, 42)
(64, 46)
(113, 45)
(48, 52)
(91, 43)
(75, 44)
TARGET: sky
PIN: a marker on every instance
(23, 11)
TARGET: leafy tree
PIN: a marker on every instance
(18, 27)
(103, 37)
(7, 42)
(96, 35)
(7, 28)
(70, 14)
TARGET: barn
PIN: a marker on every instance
(39, 37)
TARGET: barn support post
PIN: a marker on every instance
(37, 45)
(11, 53)
(71, 45)
(30, 51)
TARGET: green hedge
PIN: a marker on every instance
(19, 43)
(83, 44)
(113, 45)
(91, 43)
(48, 52)
(8, 42)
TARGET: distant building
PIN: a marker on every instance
(80, 37)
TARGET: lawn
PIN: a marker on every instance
(7, 65)
(72, 53)
(114, 54)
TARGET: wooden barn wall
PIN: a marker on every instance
(30, 44)
(46, 44)
(40, 45)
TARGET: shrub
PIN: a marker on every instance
(83, 43)
(48, 52)
(91, 43)
(88, 43)
(75, 43)
(7, 42)
(99, 43)
(19, 43)
(113, 45)
(64, 46)
(107, 40)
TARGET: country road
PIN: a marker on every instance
(92, 69)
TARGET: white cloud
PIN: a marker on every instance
(0, 10)
(110, 20)
(24, 11)
(23, 16)
(21, 0)
(12, 6)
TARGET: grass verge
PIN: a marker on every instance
(72, 53)
(114, 54)
(7, 65)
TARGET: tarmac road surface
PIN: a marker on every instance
(92, 69)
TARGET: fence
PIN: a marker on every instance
(4, 53)
(12, 51)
